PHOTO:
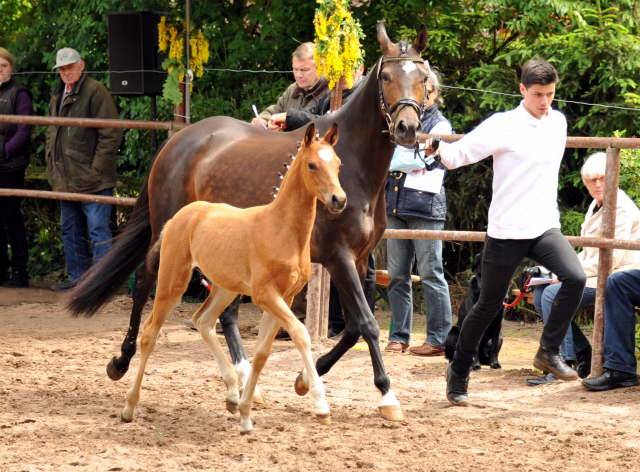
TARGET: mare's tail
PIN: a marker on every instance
(129, 249)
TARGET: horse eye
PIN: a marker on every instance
(385, 77)
(312, 167)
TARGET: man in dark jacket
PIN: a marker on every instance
(294, 118)
(82, 160)
(411, 205)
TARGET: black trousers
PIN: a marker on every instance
(12, 228)
(501, 258)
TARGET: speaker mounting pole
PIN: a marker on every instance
(187, 76)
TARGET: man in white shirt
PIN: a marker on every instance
(527, 145)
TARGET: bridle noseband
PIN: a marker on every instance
(397, 107)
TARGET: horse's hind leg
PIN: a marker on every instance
(205, 320)
(229, 322)
(118, 366)
(166, 299)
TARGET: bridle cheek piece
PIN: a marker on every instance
(388, 112)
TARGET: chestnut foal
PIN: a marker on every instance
(261, 251)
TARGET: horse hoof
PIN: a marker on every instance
(324, 418)
(125, 419)
(301, 388)
(113, 373)
(258, 400)
(231, 407)
(391, 413)
(247, 433)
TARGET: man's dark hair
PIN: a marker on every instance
(538, 71)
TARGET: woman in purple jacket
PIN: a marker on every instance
(15, 99)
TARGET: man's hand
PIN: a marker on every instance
(277, 122)
(429, 147)
(259, 122)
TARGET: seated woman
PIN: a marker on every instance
(576, 344)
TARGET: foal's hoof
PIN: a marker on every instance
(125, 417)
(301, 388)
(391, 413)
(249, 432)
(113, 373)
(231, 407)
(324, 418)
(258, 399)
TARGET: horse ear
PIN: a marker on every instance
(383, 38)
(309, 134)
(332, 135)
(422, 40)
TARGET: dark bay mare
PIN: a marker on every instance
(223, 160)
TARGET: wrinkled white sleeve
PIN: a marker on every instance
(479, 144)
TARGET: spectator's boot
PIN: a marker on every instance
(457, 388)
(583, 362)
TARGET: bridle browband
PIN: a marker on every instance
(397, 107)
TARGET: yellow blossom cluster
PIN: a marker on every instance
(337, 41)
(171, 39)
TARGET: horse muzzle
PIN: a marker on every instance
(407, 131)
(336, 203)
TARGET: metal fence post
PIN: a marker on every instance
(605, 265)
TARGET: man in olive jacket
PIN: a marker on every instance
(81, 160)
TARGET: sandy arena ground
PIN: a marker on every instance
(60, 412)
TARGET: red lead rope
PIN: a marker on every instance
(523, 292)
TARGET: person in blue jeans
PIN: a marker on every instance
(576, 348)
(621, 296)
(410, 208)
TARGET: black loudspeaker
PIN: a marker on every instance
(135, 65)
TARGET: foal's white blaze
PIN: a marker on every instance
(325, 154)
(408, 67)
(389, 399)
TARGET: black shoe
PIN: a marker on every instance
(335, 336)
(611, 379)
(553, 362)
(541, 381)
(63, 286)
(583, 365)
(457, 388)
(17, 281)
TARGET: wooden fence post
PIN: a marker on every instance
(605, 264)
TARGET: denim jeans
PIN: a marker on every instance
(575, 340)
(81, 221)
(500, 260)
(621, 295)
(400, 255)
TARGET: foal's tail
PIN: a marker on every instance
(129, 249)
(153, 256)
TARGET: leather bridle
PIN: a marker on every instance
(388, 112)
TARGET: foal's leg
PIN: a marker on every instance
(167, 296)
(205, 320)
(268, 329)
(359, 320)
(282, 315)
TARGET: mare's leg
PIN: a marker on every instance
(118, 366)
(205, 320)
(360, 320)
(268, 329)
(171, 287)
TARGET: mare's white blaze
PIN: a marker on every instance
(242, 369)
(389, 399)
(409, 67)
(325, 154)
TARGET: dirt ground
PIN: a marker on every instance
(60, 412)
